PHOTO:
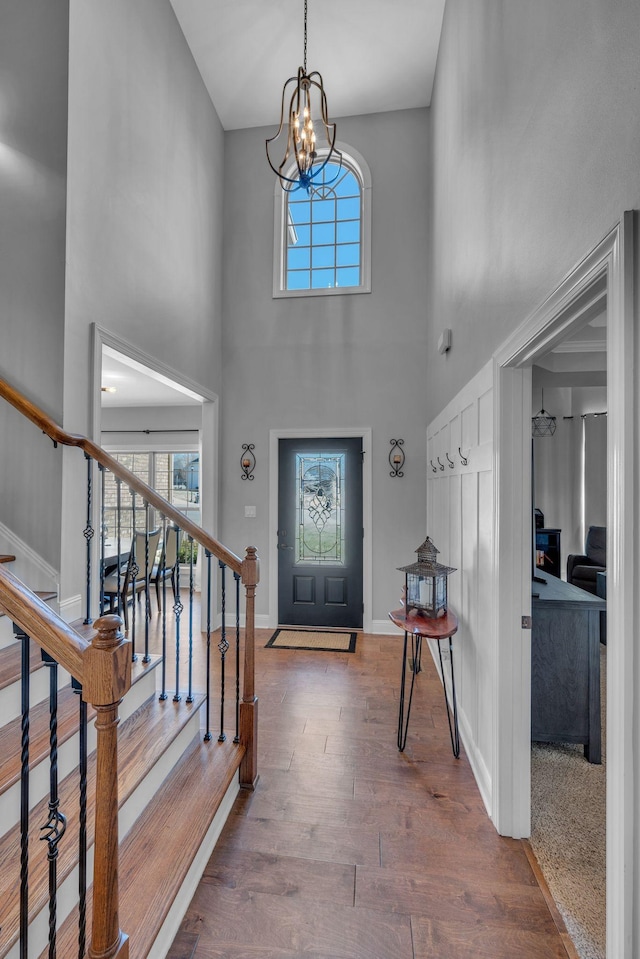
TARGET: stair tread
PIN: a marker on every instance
(11, 662)
(156, 854)
(143, 738)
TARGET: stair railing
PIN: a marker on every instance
(102, 668)
(244, 570)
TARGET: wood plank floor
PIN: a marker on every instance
(349, 849)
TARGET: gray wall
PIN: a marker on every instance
(145, 189)
(342, 361)
(33, 141)
(171, 427)
(535, 146)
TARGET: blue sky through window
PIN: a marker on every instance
(324, 233)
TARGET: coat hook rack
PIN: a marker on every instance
(396, 458)
(449, 461)
(248, 461)
(463, 459)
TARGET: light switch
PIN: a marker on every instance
(250, 512)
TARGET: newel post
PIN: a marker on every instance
(249, 704)
(107, 677)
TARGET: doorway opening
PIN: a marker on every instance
(610, 266)
(157, 410)
(569, 494)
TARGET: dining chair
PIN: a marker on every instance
(167, 567)
(135, 575)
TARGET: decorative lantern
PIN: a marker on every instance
(426, 582)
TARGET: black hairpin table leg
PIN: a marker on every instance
(454, 732)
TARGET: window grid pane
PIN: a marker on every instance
(324, 232)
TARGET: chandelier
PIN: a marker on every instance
(304, 111)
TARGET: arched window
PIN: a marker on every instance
(322, 239)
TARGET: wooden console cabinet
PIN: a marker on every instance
(565, 665)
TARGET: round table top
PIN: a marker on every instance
(440, 628)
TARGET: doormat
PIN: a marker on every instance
(324, 641)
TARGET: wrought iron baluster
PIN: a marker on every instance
(207, 735)
(236, 738)
(147, 572)
(88, 535)
(134, 569)
(177, 609)
(162, 572)
(103, 533)
(56, 824)
(190, 664)
(82, 834)
(223, 645)
(24, 791)
(119, 537)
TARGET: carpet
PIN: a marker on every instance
(568, 819)
(325, 641)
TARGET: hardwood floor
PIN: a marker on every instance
(349, 849)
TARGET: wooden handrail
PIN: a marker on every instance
(42, 624)
(58, 435)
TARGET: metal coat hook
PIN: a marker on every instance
(434, 470)
(463, 459)
(449, 461)
(441, 465)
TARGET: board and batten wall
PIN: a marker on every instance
(460, 513)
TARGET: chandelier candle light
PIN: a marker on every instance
(307, 100)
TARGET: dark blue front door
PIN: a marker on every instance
(320, 532)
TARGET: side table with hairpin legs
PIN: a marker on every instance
(419, 626)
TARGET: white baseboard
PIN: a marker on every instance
(70, 609)
(384, 627)
(476, 761)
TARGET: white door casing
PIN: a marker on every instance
(611, 262)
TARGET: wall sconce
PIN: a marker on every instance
(396, 458)
(247, 461)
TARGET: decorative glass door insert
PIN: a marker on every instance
(320, 534)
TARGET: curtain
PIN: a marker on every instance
(594, 446)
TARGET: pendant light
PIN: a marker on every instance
(543, 423)
(311, 138)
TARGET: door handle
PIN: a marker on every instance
(284, 546)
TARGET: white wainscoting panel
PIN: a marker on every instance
(460, 512)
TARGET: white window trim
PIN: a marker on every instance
(360, 168)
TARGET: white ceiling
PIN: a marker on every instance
(374, 55)
(135, 385)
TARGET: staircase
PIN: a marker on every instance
(158, 784)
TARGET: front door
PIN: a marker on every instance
(320, 532)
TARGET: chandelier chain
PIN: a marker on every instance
(305, 36)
